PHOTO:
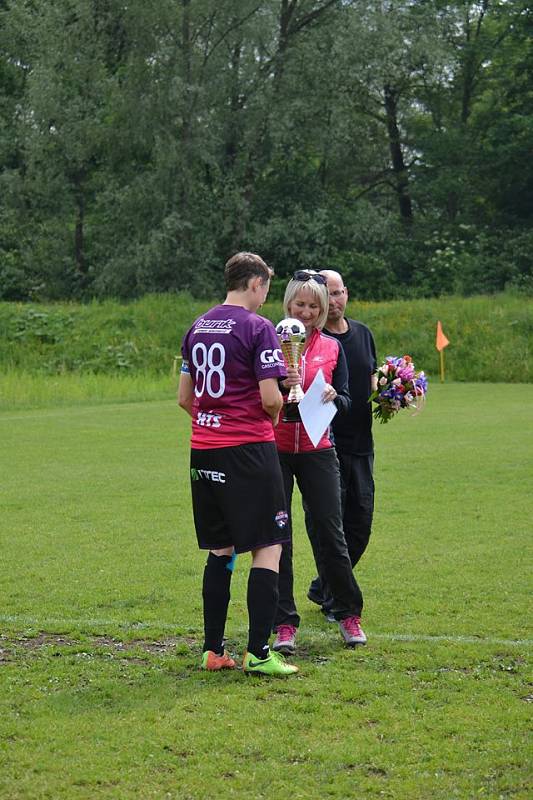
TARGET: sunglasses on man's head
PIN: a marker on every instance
(301, 275)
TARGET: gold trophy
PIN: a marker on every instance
(291, 335)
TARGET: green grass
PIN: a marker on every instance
(98, 552)
(26, 390)
(489, 335)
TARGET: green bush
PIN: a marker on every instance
(489, 335)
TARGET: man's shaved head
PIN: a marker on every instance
(330, 274)
(338, 297)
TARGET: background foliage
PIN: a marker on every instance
(138, 341)
(141, 144)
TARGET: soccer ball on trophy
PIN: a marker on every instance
(290, 329)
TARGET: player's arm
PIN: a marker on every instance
(271, 398)
(186, 392)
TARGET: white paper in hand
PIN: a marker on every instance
(316, 415)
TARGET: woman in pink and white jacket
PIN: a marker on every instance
(316, 469)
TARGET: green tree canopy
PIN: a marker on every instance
(142, 143)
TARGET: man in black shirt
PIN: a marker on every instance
(352, 432)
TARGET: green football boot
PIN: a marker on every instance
(274, 664)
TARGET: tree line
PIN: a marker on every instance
(142, 143)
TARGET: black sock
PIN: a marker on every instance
(216, 594)
(262, 602)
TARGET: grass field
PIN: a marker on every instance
(100, 693)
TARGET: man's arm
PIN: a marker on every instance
(186, 392)
(373, 374)
(271, 398)
(339, 381)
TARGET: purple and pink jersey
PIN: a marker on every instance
(227, 352)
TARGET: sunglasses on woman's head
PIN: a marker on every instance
(301, 275)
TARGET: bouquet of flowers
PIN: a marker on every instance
(399, 386)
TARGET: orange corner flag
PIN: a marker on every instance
(441, 341)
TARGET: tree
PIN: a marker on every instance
(141, 144)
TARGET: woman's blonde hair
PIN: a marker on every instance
(319, 291)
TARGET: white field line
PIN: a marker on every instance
(80, 624)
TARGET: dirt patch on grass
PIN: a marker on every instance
(161, 646)
(11, 647)
(40, 640)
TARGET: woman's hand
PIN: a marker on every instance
(292, 379)
(328, 394)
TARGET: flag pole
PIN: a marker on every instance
(440, 343)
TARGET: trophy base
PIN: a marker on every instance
(291, 413)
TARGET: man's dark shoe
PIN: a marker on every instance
(315, 594)
(315, 597)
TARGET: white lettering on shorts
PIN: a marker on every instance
(212, 475)
(208, 475)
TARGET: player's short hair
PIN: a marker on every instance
(319, 291)
(243, 266)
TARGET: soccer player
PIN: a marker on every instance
(229, 386)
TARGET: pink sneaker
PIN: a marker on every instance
(351, 631)
(285, 641)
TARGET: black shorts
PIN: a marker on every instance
(238, 498)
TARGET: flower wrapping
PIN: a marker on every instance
(399, 386)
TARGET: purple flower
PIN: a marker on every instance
(399, 386)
